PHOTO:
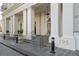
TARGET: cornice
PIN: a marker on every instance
(12, 8)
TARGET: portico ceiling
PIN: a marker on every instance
(42, 7)
(19, 14)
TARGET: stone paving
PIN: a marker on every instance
(37, 50)
(5, 51)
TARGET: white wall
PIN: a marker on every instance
(76, 25)
(76, 17)
(76, 37)
(67, 40)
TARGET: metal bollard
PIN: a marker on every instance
(16, 38)
(52, 46)
(4, 36)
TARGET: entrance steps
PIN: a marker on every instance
(39, 40)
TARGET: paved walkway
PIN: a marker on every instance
(5, 51)
(30, 49)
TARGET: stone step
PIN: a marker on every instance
(39, 40)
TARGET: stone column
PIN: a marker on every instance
(29, 22)
(33, 21)
(4, 26)
(11, 25)
(67, 40)
(54, 23)
(24, 22)
(14, 24)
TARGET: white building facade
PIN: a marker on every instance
(53, 19)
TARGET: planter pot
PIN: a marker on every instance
(20, 38)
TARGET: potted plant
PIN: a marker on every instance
(21, 31)
(7, 31)
(18, 31)
(20, 36)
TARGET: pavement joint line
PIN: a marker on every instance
(14, 49)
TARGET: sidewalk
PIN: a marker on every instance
(5, 51)
(31, 50)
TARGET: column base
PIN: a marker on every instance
(29, 37)
(50, 40)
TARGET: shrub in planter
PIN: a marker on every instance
(20, 36)
(7, 31)
(21, 31)
(18, 31)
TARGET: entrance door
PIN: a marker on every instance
(35, 28)
(48, 26)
